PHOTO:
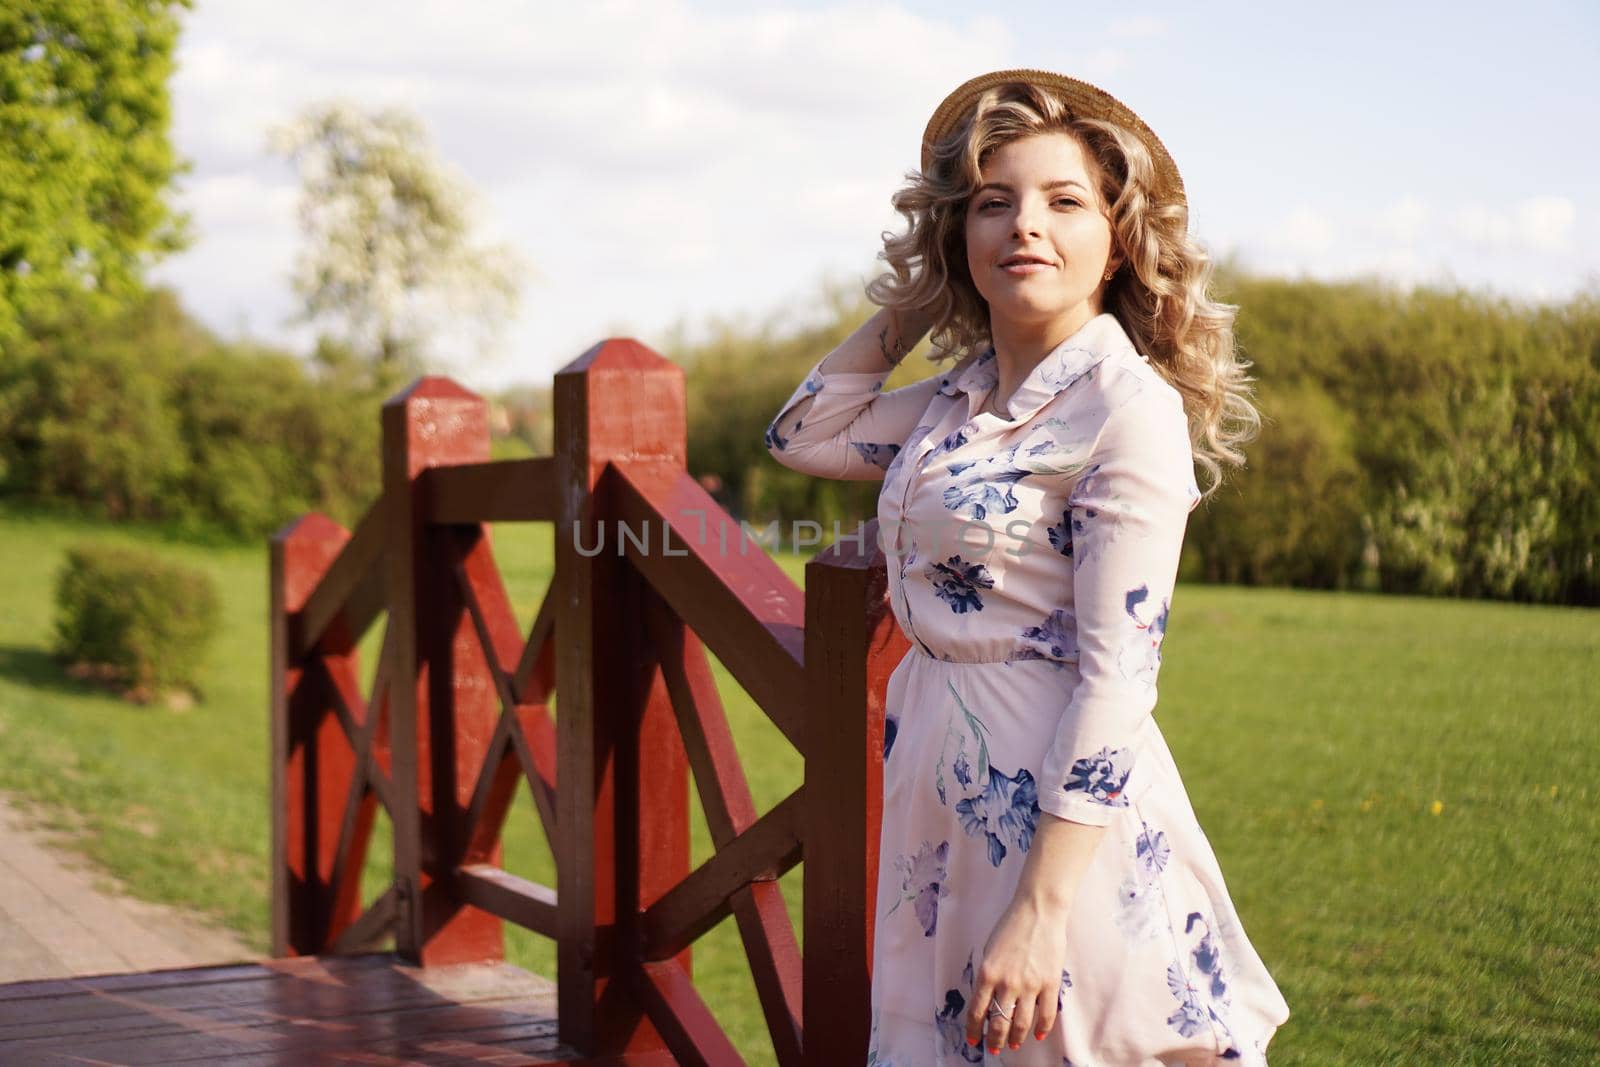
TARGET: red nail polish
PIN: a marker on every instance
(972, 1041)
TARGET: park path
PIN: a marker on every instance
(55, 921)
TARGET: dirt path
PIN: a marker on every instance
(55, 922)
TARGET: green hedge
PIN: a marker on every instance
(128, 616)
(147, 416)
(1431, 441)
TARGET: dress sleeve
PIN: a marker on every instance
(1128, 514)
(849, 429)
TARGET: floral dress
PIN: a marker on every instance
(1031, 565)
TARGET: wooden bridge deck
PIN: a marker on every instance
(366, 1009)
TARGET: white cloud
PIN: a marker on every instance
(1547, 221)
(1479, 224)
(1406, 266)
(1534, 253)
(1303, 230)
(1540, 222)
(1405, 219)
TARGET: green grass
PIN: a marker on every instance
(1400, 791)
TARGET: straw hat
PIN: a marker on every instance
(1082, 99)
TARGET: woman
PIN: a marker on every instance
(1042, 875)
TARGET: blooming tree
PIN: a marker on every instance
(388, 259)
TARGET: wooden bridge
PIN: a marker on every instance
(459, 710)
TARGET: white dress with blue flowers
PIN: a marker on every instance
(1031, 565)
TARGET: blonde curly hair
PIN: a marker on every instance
(1159, 293)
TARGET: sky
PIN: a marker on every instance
(671, 162)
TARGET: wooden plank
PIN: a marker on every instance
(311, 759)
(775, 964)
(377, 750)
(528, 904)
(492, 793)
(530, 1045)
(535, 675)
(374, 923)
(737, 599)
(18, 999)
(356, 565)
(355, 823)
(441, 713)
(718, 773)
(363, 723)
(623, 835)
(483, 593)
(98, 1012)
(26, 1002)
(220, 1034)
(769, 938)
(533, 737)
(314, 1009)
(506, 490)
(691, 1031)
(852, 646)
(487, 605)
(769, 848)
(293, 571)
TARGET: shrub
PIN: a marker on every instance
(129, 616)
(1292, 515)
(147, 416)
(1479, 512)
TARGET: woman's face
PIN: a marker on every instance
(1038, 240)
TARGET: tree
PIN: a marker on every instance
(84, 117)
(388, 258)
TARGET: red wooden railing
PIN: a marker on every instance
(458, 710)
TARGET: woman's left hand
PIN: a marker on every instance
(1022, 962)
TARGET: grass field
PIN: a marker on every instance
(1401, 791)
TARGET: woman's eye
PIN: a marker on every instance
(986, 204)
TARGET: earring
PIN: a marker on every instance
(1107, 278)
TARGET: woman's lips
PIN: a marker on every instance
(1021, 269)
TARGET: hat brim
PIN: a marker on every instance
(1081, 98)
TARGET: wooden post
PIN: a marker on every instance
(852, 646)
(312, 764)
(623, 786)
(442, 703)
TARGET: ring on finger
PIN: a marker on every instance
(995, 1009)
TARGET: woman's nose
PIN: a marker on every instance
(1026, 220)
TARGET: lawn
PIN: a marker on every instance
(1401, 792)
